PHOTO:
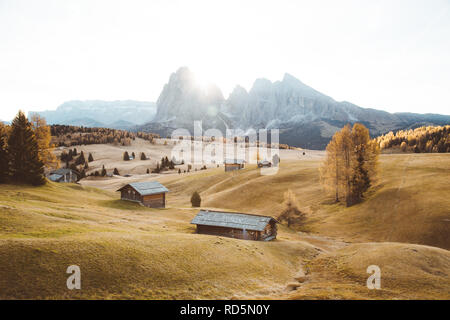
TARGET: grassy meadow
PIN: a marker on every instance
(126, 251)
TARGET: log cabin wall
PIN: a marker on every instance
(152, 200)
(231, 167)
(229, 232)
(129, 193)
(155, 200)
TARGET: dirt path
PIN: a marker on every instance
(323, 245)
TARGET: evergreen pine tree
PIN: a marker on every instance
(23, 150)
(196, 200)
(80, 159)
(103, 171)
(116, 172)
(4, 164)
(70, 155)
(126, 156)
(90, 158)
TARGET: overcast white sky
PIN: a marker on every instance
(392, 55)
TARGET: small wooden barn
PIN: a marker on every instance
(236, 225)
(63, 175)
(150, 194)
(233, 164)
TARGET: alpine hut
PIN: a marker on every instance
(150, 194)
(63, 175)
(233, 164)
(236, 225)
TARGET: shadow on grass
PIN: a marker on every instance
(121, 204)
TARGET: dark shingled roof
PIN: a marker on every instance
(147, 188)
(232, 220)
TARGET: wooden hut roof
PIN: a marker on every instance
(232, 220)
(234, 161)
(147, 188)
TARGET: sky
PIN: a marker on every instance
(392, 55)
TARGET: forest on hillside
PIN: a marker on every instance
(429, 139)
(65, 135)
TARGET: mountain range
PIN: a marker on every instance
(121, 114)
(304, 116)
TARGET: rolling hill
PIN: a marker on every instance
(126, 251)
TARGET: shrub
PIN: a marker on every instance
(196, 200)
(103, 171)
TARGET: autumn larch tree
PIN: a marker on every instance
(291, 211)
(351, 164)
(43, 137)
(23, 153)
(365, 164)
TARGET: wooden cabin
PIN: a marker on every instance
(63, 175)
(233, 164)
(150, 194)
(236, 225)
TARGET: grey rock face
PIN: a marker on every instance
(305, 117)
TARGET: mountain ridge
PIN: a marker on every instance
(305, 117)
(100, 113)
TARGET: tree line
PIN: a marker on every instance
(430, 139)
(67, 136)
(25, 149)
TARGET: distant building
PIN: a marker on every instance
(150, 194)
(233, 164)
(236, 225)
(63, 175)
(264, 164)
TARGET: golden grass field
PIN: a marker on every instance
(126, 251)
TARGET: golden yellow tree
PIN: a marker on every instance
(366, 153)
(350, 165)
(291, 211)
(43, 136)
(330, 171)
